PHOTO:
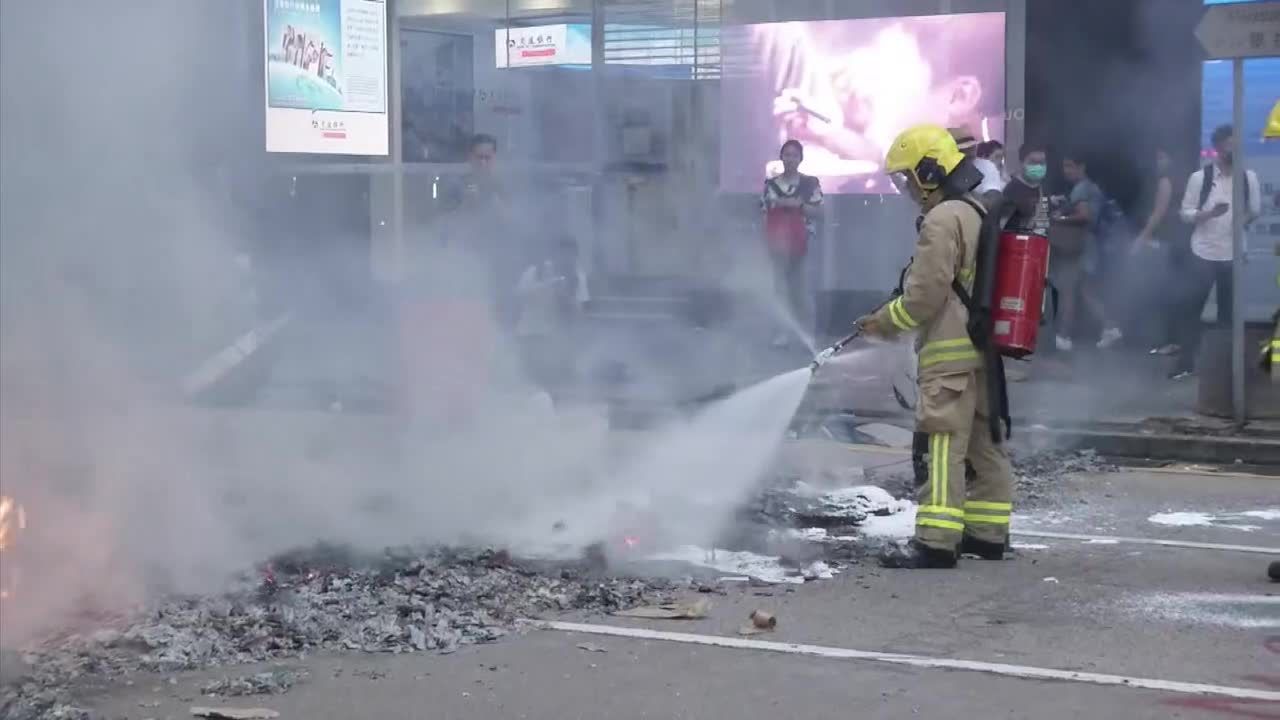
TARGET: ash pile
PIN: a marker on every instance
(1038, 475)
(321, 600)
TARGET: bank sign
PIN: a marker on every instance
(542, 45)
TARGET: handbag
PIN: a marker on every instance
(1067, 240)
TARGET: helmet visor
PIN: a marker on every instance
(906, 184)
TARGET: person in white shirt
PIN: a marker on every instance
(1207, 206)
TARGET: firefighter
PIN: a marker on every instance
(954, 407)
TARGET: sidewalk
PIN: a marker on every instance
(1114, 402)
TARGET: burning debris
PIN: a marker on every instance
(13, 519)
(435, 601)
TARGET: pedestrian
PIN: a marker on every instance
(956, 514)
(1206, 206)
(550, 296)
(992, 181)
(1078, 278)
(1024, 197)
(1158, 248)
(993, 150)
(791, 202)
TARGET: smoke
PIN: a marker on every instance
(135, 221)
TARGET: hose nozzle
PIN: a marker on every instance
(821, 358)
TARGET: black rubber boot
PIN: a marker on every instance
(916, 556)
(983, 548)
(1273, 571)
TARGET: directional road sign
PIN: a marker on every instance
(1241, 30)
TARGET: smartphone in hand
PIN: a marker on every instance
(1221, 209)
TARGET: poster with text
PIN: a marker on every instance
(326, 76)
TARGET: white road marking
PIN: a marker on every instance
(1112, 539)
(1021, 671)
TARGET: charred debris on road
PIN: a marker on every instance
(327, 599)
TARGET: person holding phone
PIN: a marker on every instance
(1206, 205)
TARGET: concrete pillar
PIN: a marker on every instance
(386, 189)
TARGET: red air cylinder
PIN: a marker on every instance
(1021, 267)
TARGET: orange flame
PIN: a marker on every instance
(12, 519)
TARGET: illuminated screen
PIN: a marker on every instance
(845, 88)
(326, 76)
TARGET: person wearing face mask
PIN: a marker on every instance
(1024, 194)
(956, 409)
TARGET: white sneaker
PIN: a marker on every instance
(1110, 337)
(1064, 344)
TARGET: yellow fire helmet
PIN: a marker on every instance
(1272, 131)
(920, 158)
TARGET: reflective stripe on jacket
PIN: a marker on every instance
(946, 249)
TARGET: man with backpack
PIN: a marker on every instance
(1206, 206)
(1087, 219)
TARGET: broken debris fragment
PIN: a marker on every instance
(264, 683)
(691, 610)
(234, 713)
(760, 622)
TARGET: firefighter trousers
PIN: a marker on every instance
(951, 419)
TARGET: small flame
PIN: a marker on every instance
(631, 541)
(13, 518)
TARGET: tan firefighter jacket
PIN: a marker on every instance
(946, 249)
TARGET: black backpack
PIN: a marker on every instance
(1207, 186)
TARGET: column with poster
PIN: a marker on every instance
(326, 76)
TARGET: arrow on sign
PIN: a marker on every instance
(1241, 30)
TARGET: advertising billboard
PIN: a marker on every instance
(326, 76)
(846, 88)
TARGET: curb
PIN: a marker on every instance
(1187, 448)
(1122, 440)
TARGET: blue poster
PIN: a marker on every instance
(304, 54)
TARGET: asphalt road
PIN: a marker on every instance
(1173, 614)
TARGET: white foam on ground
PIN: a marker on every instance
(901, 524)
(1270, 514)
(1182, 519)
(732, 562)
(1227, 520)
(1029, 546)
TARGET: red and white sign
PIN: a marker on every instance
(541, 45)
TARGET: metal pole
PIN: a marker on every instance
(1239, 212)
